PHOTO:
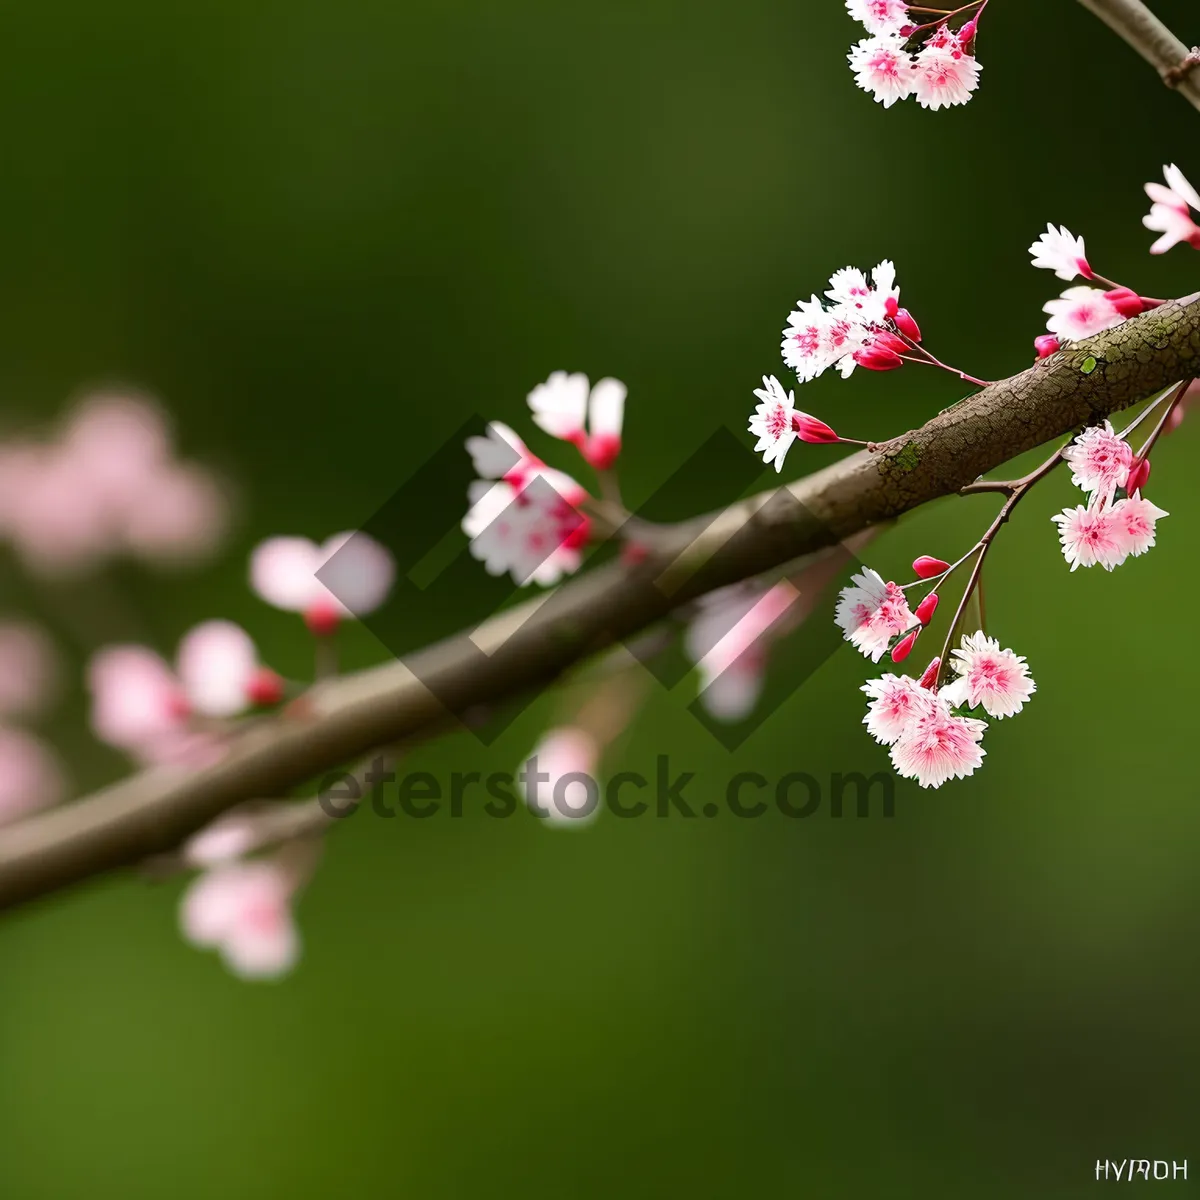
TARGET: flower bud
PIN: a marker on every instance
(1046, 345)
(907, 325)
(264, 689)
(904, 646)
(966, 34)
(891, 306)
(1139, 473)
(1127, 302)
(809, 429)
(877, 359)
(929, 678)
(926, 567)
(886, 340)
(322, 619)
(927, 608)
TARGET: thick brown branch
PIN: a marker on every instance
(1133, 21)
(527, 647)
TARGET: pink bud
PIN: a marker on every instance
(322, 618)
(809, 429)
(1128, 303)
(927, 608)
(264, 688)
(886, 340)
(906, 31)
(891, 306)
(966, 34)
(877, 359)
(601, 451)
(926, 567)
(1139, 473)
(1046, 345)
(907, 325)
(931, 672)
(904, 646)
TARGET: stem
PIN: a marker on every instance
(1156, 433)
(930, 361)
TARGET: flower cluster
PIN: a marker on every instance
(931, 738)
(1108, 530)
(934, 62)
(527, 519)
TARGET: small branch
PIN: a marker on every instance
(1137, 25)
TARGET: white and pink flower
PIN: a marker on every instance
(945, 75)
(1099, 461)
(1091, 536)
(997, 679)
(896, 702)
(356, 575)
(1060, 251)
(871, 612)
(880, 16)
(243, 910)
(884, 68)
(1081, 312)
(558, 779)
(590, 418)
(31, 775)
(777, 423)
(1133, 521)
(937, 746)
(1173, 211)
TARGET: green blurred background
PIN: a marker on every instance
(325, 235)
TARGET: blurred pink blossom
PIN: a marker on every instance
(360, 573)
(244, 911)
(542, 776)
(31, 777)
(29, 669)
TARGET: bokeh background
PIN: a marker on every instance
(325, 235)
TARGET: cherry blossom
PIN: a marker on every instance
(871, 612)
(945, 75)
(938, 746)
(1133, 519)
(884, 68)
(729, 638)
(880, 16)
(501, 454)
(1100, 461)
(1060, 251)
(896, 702)
(243, 910)
(31, 776)
(357, 574)
(1081, 312)
(997, 679)
(868, 302)
(1171, 211)
(591, 420)
(777, 423)
(545, 777)
(1090, 536)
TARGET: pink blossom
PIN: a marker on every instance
(729, 638)
(565, 408)
(817, 338)
(29, 669)
(228, 838)
(356, 572)
(544, 777)
(501, 454)
(989, 676)
(945, 76)
(1099, 461)
(181, 515)
(1060, 251)
(896, 702)
(216, 663)
(31, 776)
(871, 612)
(777, 423)
(884, 68)
(1171, 211)
(1089, 536)
(880, 16)
(137, 701)
(1081, 312)
(937, 746)
(243, 910)
(1046, 345)
(1134, 520)
(867, 303)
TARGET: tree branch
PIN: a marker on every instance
(1137, 25)
(530, 646)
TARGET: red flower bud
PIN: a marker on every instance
(891, 306)
(1128, 303)
(886, 340)
(904, 646)
(1139, 473)
(809, 429)
(877, 359)
(931, 672)
(1046, 345)
(926, 567)
(907, 324)
(927, 608)
(602, 451)
(264, 689)
(966, 34)
(322, 618)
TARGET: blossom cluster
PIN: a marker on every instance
(934, 63)
(529, 520)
